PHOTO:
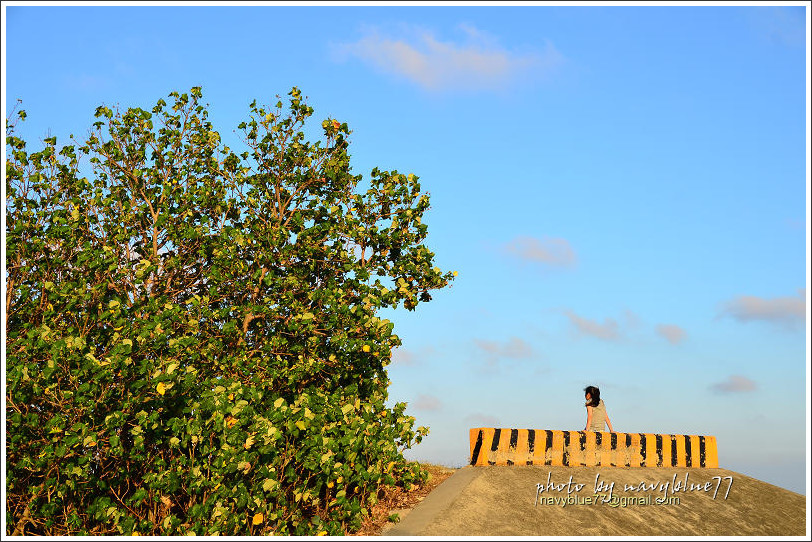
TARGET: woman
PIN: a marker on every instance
(596, 414)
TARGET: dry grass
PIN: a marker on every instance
(394, 499)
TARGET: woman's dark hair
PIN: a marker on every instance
(595, 395)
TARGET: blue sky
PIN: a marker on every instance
(622, 190)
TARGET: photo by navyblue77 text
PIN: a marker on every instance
(668, 492)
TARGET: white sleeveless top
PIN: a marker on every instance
(598, 422)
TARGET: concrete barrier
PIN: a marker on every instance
(490, 446)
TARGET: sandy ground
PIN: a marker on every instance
(493, 501)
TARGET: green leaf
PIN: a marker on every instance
(259, 375)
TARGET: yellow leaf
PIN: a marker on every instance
(301, 425)
(160, 388)
(366, 348)
(258, 518)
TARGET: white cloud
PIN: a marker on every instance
(515, 348)
(427, 402)
(734, 384)
(786, 311)
(552, 251)
(435, 64)
(633, 321)
(607, 331)
(672, 333)
(409, 358)
(497, 353)
(403, 357)
(783, 25)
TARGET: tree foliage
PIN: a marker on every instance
(192, 340)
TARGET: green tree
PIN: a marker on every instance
(192, 340)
